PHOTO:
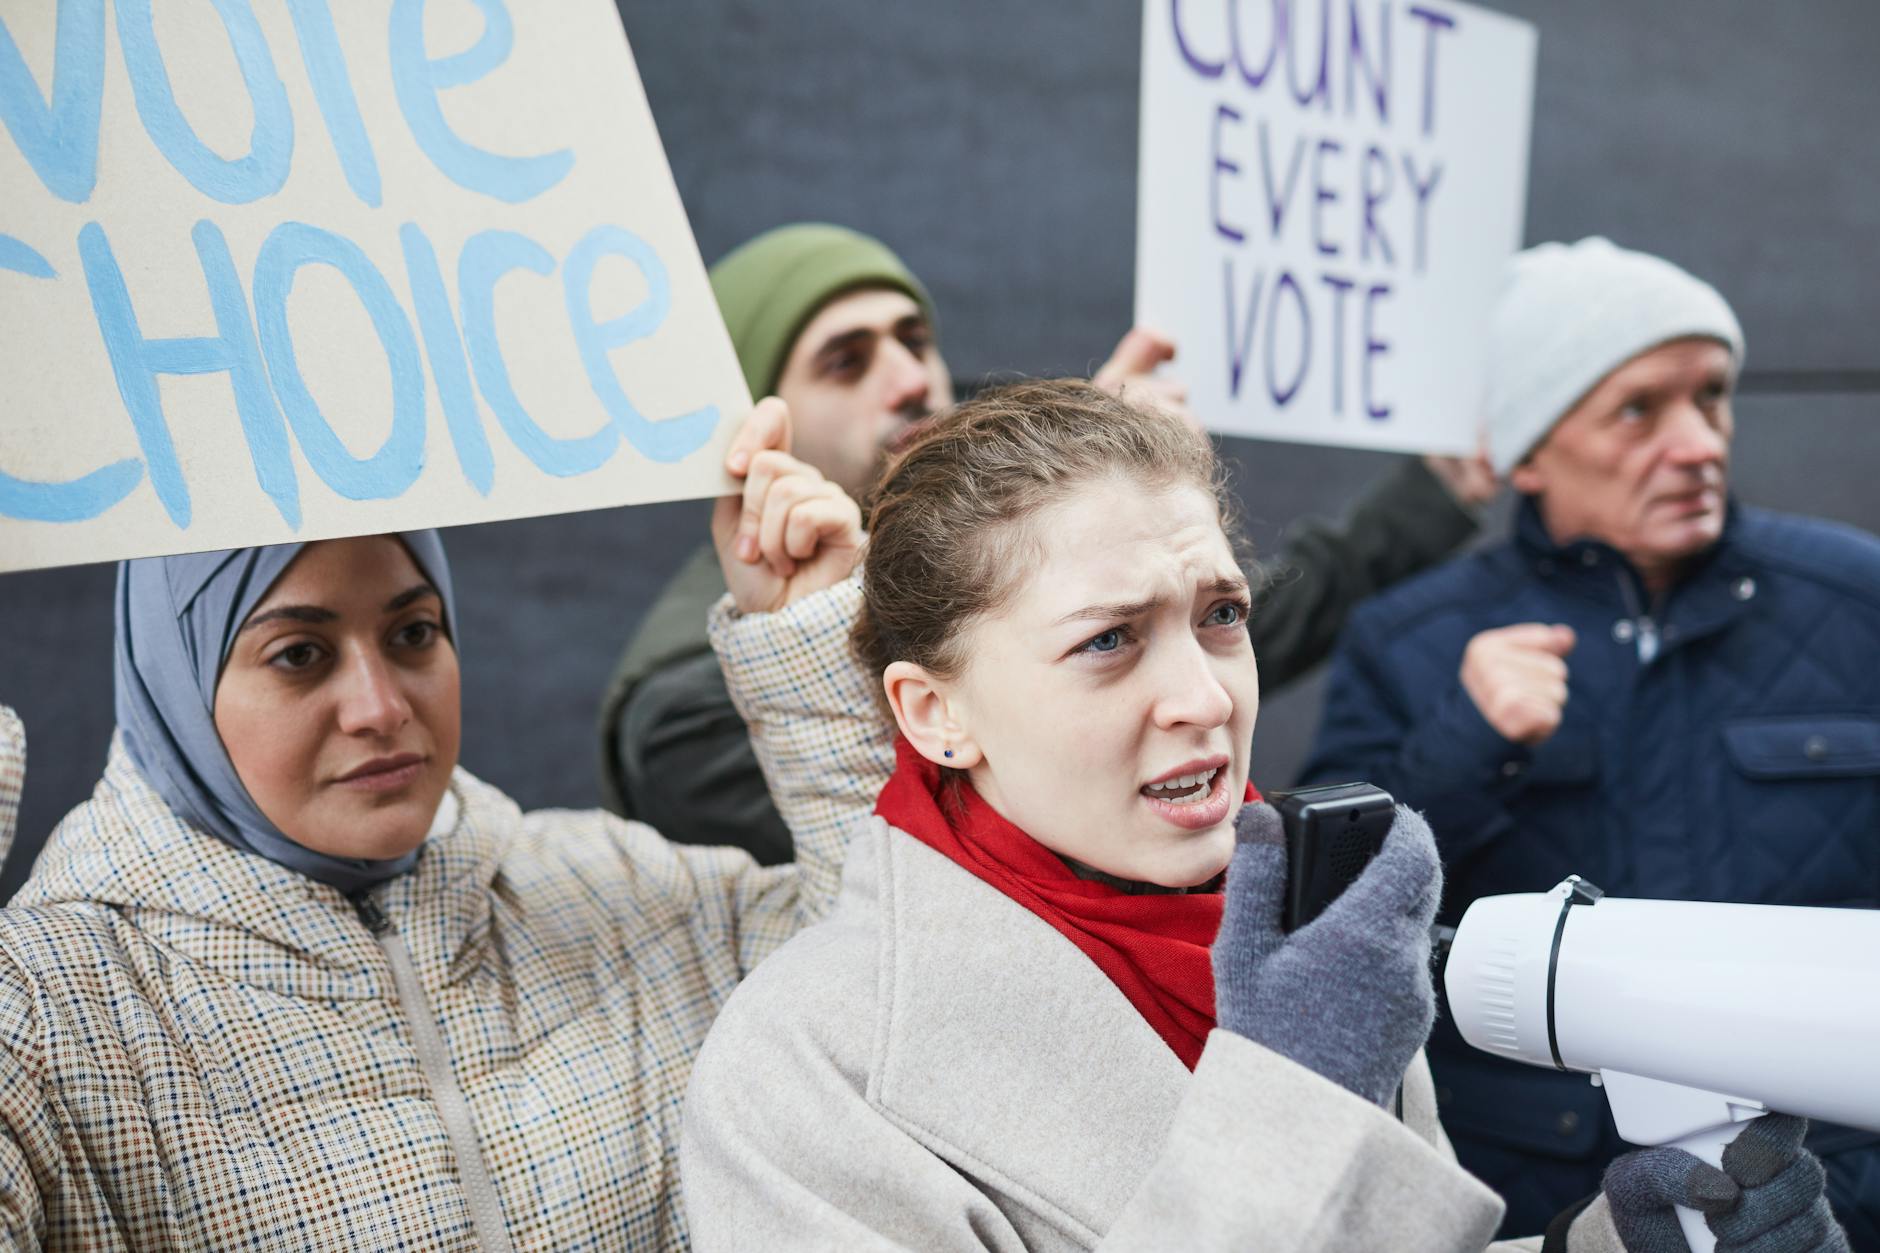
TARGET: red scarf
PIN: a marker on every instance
(1154, 947)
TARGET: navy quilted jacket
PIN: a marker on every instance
(1724, 745)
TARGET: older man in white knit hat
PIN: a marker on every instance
(1650, 684)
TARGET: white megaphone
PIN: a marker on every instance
(1695, 1017)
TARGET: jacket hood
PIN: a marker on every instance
(127, 850)
(12, 776)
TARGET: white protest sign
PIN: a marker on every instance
(1327, 192)
(298, 269)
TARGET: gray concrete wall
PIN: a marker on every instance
(994, 144)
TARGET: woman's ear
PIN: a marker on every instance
(925, 711)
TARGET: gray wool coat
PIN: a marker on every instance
(934, 1067)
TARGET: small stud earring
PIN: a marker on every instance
(949, 752)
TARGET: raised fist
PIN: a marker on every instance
(790, 532)
(1517, 677)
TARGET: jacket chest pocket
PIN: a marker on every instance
(1804, 790)
(1805, 747)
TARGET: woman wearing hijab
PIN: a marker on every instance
(1039, 1018)
(291, 979)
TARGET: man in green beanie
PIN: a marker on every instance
(834, 319)
(834, 323)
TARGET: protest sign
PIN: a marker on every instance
(294, 270)
(1327, 192)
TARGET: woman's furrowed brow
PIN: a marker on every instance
(1116, 610)
(1229, 587)
(1111, 609)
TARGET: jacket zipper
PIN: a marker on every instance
(1647, 636)
(486, 1211)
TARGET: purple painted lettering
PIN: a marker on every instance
(1321, 89)
(1239, 337)
(1424, 190)
(1279, 199)
(1373, 349)
(1280, 15)
(1376, 77)
(1221, 228)
(1432, 23)
(1375, 163)
(1207, 69)
(1323, 195)
(1338, 287)
(1282, 396)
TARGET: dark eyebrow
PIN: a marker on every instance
(1136, 608)
(410, 595)
(315, 614)
(846, 340)
(298, 613)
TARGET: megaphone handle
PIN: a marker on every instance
(1707, 1144)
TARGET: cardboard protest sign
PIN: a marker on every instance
(1328, 190)
(302, 269)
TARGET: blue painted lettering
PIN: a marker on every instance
(333, 91)
(417, 80)
(444, 345)
(59, 141)
(399, 460)
(271, 146)
(670, 439)
(486, 257)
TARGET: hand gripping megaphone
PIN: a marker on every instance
(1695, 1017)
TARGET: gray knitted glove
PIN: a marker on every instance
(1766, 1199)
(1347, 995)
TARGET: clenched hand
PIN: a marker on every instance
(1517, 677)
(791, 532)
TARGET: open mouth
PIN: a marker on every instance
(1194, 800)
(1187, 789)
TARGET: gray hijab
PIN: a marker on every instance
(177, 617)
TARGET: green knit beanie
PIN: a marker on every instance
(769, 288)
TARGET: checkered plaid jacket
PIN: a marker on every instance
(200, 1049)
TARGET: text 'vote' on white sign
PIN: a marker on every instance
(1328, 190)
(295, 270)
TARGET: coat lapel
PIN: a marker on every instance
(1003, 1048)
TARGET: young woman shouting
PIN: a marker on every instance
(1035, 1019)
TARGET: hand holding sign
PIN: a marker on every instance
(1471, 480)
(791, 532)
(1130, 372)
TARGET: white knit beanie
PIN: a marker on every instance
(1569, 315)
